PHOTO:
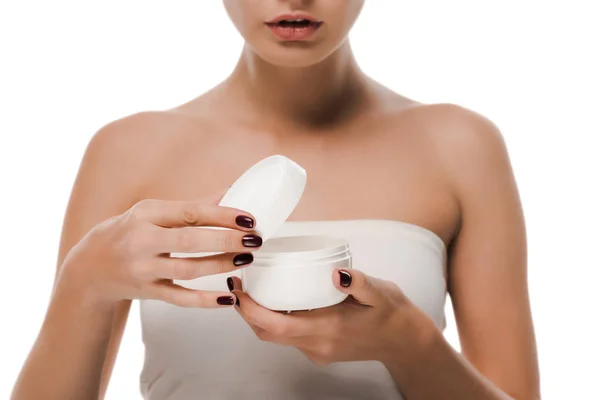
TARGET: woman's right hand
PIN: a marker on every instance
(128, 256)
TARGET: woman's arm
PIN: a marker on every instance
(75, 351)
(487, 283)
(487, 279)
(122, 257)
(429, 368)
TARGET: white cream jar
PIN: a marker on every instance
(296, 273)
(291, 273)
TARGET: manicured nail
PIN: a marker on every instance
(252, 241)
(244, 222)
(345, 279)
(225, 301)
(230, 283)
(243, 259)
(237, 301)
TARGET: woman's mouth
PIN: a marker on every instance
(294, 28)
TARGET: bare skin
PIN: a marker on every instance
(369, 153)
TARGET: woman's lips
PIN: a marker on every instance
(294, 27)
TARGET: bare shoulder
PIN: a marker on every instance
(129, 150)
(125, 146)
(461, 132)
(454, 127)
(138, 134)
(460, 155)
(467, 144)
(450, 137)
(449, 130)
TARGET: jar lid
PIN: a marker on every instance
(270, 191)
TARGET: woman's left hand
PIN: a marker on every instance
(366, 326)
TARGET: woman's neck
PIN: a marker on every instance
(316, 96)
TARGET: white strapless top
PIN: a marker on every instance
(214, 355)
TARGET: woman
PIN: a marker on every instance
(424, 194)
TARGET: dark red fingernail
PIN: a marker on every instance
(243, 259)
(230, 283)
(225, 301)
(244, 222)
(345, 278)
(252, 241)
(237, 301)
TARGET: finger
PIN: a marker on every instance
(236, 283)
(172, 293)
(267, 336)
(277, 333)
(362, 287)
(316, 318)
(271, 321)
(199, 240)
(195, 267)
(173, 214)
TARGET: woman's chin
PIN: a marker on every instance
(293, 55)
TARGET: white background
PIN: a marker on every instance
(67, 68)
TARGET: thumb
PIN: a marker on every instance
(362, 287)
